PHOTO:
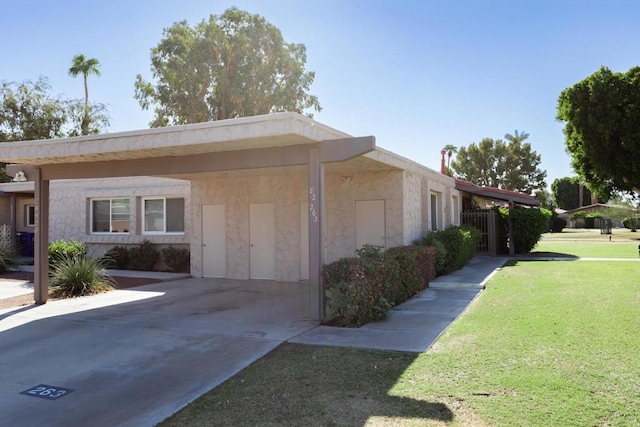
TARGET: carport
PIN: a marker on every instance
(254, 143)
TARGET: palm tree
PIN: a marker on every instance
(450, 149)
(85, 66)
(516, 137)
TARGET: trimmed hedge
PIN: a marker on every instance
(460, 244)
(528, 226)
(177, 259)
(630, 223)
(441, 260)
(116, 257)
(363, 289)
(558, 224)
(143, 256)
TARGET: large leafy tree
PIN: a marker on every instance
(29, 111)
(566, 193)
(495, 163)
(232, 65)
(85, 66)
(602, 129)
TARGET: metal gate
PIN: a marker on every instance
(487, 223)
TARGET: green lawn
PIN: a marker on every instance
(617, 234)
(547, 343)
(595, 249)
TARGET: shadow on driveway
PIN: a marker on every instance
(134, 357)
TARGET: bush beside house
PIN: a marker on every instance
(177, 260)
(528, 226)
(631, 223)
(557, 224)
(61, 250)
(7, 258)
(364, 288)
(145, 256)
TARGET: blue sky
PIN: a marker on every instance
(416, 74)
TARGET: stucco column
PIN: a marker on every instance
(316, 237)
(41, 250)
(14, 220)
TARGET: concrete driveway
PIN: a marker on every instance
(134, 357)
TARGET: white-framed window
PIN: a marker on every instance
(163, 215)
(30, 215)
(110, 216)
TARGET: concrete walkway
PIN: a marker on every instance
(415, 324)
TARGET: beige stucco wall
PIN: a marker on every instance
(340, 198)
(5, 210)
(70, 211)
(21, 223)
(285, 191)
(406, 194)
(412, 210)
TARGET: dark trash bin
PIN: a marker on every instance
(28, 243)
(19, 244)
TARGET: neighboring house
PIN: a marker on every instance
(476, 212)
(589, 209)
(17, 212)
(267, 197)
(477, 197)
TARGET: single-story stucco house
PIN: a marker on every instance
(268, 197)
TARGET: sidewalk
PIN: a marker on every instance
(415, 324)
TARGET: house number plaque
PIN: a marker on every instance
(49, 392)
(312, 205)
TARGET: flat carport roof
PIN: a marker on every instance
(270, 141)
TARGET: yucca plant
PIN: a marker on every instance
(78, 276)
(7, 258)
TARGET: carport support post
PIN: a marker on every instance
(41, 249)
(316, 209)
(14, 221)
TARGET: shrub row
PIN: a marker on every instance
(630, 223)
(139, 257)
(558, 224)
(528, 226)
(7, 258)
(363, 288)
(455, 247)
(144, 256)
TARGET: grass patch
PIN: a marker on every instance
(595, 249)
(543, 345)
(300, 385)
(617, 234)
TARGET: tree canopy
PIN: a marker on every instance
(232, 65)
(29, 111)
(495, 163)
(602, 129)
(566, 193)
